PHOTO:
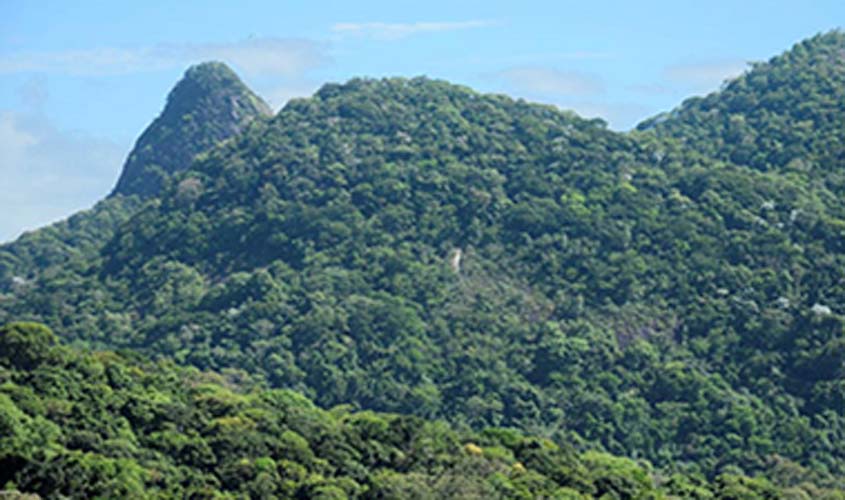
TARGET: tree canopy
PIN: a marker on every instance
(674, 294)
(103, 425)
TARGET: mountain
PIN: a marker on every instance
(209, 105)
(411, 246)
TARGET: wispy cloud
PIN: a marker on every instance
(54, 172)
(394, 31)
(276, 56)
(583, 93)
(277, 96)
(541, 81)
(704, 73)
(261, 56)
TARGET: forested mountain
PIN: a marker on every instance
(415, 247)
(68, 243)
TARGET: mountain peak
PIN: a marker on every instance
(208, 105)
(210, 69)
(207, 79)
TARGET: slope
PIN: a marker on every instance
(208, 105)
(785, 114)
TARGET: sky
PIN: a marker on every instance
(80, 80)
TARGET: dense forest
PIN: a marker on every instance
(434, 268)
(109, 426)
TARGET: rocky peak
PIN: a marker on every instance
(208, 105)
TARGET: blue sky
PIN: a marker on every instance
(80, 80)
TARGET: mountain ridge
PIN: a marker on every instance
(750, 122)
(636, 292)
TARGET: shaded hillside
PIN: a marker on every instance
(621, 291)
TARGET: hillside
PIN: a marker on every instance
(72, 242)
(415, 247)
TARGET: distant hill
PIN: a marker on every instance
(657, 295)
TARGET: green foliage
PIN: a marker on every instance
(79, 433)
(675, 294)
(62, 249)
(25, 345)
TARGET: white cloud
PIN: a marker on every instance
(547, 82)
(47, 173)
(261, 56)
(394, 31)
(704, 75)
(33, 93)
(14, 142)
(583, 93)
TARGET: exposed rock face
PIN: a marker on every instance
(210, 104)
